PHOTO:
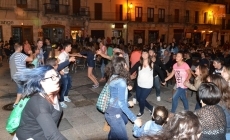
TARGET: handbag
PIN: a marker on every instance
(103, 99)
(15, 116)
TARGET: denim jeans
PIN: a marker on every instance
(157, 85)
(198, 105)
(141, 96)
(117, 121)
(102, 69)
(65, 86)
(180, 93)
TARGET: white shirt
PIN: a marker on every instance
(145, 77)
(139, 40)
(63, 57)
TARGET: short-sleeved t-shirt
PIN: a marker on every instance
(135, 57)
(181, 74)
(17, 62)
(63, 57)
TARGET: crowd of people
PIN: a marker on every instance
(42, 73)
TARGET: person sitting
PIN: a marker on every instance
(184, 125)
(160, 116)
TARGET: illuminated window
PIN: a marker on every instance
(138, 13)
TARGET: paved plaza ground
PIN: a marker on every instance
(81, 120)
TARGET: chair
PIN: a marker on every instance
(81, 63)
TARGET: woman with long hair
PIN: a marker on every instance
(43, 111)
(146, 71)
(225, 98)
(118, 113)
(201, 72)
(26, 47)
(90, 54)
(184, 125)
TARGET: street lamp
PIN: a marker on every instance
(130, 6)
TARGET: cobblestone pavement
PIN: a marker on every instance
(81, 120)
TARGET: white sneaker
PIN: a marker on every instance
(134, 101)
(66, 98)
(95, 86)
(158, 98)
(63, 105)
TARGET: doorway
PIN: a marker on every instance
(22, 33)
(137, 34)
(56, 33)
(76, 6)
(153, 36)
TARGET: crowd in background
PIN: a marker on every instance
(204, 70)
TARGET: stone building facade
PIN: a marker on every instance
(33, 19)
(190, 20)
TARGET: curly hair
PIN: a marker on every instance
(183, 126)
(117, 67)
(30, 80)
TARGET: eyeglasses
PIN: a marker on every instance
(53, 77)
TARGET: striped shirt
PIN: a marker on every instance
(17, 62)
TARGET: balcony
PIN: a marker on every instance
(227, 27)
(210, 1)
(56, 9)
(10, 5)
(170, 19)
(84, 11)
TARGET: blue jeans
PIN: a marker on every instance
(157, 86)
(227, 136)
(180, 93)
(102, 70)
(19, 86)
(65, 86)
(117, 121)
(141, 96)
(198, 105)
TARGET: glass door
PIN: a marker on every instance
(17, 34)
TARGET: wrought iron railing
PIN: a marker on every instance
(56, 9)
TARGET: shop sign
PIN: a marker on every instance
(7, 22)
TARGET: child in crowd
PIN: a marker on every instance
(151, 127)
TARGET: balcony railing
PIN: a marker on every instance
(227, 27)
(210, 1)
(109, 16)
(84, 11)
(9, 4)
(56, 9)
